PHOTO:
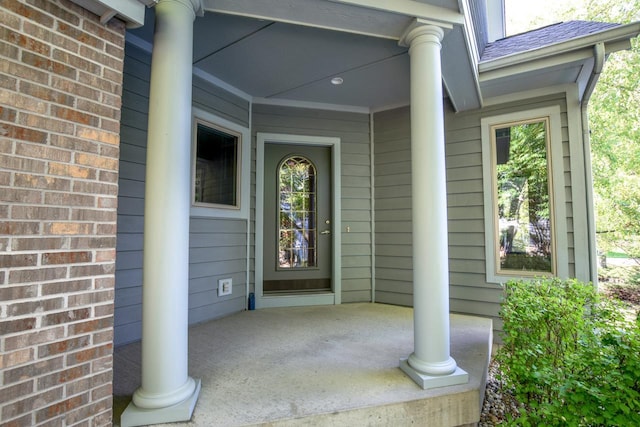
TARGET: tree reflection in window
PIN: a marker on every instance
(297, 214)
(524, 206)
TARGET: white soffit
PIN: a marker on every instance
(130, 11)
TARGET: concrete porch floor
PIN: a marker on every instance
(319, 366)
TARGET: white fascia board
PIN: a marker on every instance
(410, 8)
(615, 39)
(130, 11)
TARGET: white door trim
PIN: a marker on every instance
(333, 297)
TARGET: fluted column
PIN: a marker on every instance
(167, 393)
(430, 365)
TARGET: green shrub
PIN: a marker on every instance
(569, 357)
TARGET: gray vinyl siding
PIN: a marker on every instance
(354, 133)
(469, 291)
(218, 247)
(392, 165)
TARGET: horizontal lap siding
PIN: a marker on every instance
(469, 291)
(392, 165)
(353, 131)
(218, 247)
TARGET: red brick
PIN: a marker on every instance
(72, 143)
(71, 171)
(18, 260)
(93, 242)
(74, 116)
(74, 88)
(49, 65)
(15, 358)
(46, 94)
(57, 11)
(112, 126)
(8, 82)
(107, 176)
(47, 123)
(92, 270)
(98, 109)
(66, 316)
(106, 229)
(61, 377)
(111, 100)
(95, 188)
(103, 363)
(39, 212)
(55, 39)
(113, 34)
(37, 243)
(78, 386)
(28, 12)
(31, 403)
(10, 293)
(16, 228)
(24, 42)
(79, 35)
(100, 411)
(105, 282)
(4, 214)
(69, 199)
(90, 326)
(98, 135)
(63, 346)
(25, 73)
(7, 114)
(62, 407)
(100, 57)
(43, 152)
(113, 75)
(33, 370)
(5, 178)
(91, 354)
(24, 103)
(41, 181)
(9, 19)
(66, 287)
(99, 83)
(19, 325)
(17, 195)
(102, 392)
(9, 52)
(22, 133)
(104, 310)
(103, 337)
(106, 256)
(77, 61)
(66, 257)
(39, 306)
(66, 228)
(17, 391)
(33, 338)
(37, 275)
(107, 202)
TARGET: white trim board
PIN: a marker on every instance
(311, 299)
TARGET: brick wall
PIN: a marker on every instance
(60, 94)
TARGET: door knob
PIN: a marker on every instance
(325, 232)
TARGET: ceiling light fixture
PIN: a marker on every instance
(337, 81)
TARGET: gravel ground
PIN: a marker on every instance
(498, 403)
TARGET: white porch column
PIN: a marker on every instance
(167, 393)
(430, 365)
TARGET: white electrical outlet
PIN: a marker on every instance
(225, 287)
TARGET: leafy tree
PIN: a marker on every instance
(614, 117)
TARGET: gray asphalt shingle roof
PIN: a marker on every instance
(541, 37)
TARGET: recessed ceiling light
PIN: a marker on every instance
(337, 81)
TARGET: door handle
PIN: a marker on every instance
(325, 232)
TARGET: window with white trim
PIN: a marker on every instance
(220, 167)
(525, 222)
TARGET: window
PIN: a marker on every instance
(219, 168)
(525, 223)
(297, 231)
(216, 169)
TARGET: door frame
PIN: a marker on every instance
(329, 298)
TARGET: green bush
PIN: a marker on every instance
(569, 358)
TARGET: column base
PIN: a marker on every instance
(134, 416)
(459, 376)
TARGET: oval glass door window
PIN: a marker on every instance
(297, 230)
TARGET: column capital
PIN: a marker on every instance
(195, 6)
(419, 27)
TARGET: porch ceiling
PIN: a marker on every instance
(293, 50)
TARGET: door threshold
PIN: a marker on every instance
(280, 299)
(298, 292)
